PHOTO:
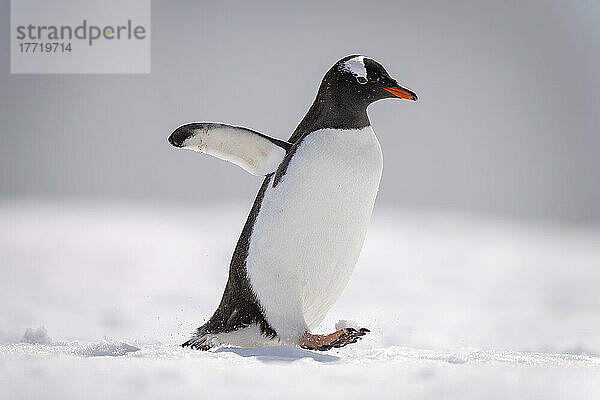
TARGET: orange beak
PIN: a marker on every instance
(401, 93)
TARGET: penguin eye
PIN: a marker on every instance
(361, 80)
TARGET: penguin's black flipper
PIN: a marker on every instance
(256, 153)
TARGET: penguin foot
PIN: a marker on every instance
(336, 339)
(198, 344)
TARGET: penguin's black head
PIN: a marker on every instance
(357, 81)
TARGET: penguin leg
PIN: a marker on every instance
(336, 339)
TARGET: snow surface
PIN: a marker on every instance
(96, 297)
(36, 336)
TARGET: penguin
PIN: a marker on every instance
(306, 228)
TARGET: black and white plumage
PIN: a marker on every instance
(307, 225)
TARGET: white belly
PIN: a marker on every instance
(310, 229)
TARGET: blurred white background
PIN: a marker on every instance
(507, 121)
(480, 271)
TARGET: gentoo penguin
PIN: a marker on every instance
(306, 228)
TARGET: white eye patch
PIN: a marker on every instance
(356, 66)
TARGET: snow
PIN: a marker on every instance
(459, 306)
(103, 348)
(343, 324)
(37, 335)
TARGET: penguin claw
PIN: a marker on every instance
(337, 339)
(349, 336)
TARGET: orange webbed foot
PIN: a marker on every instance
(337, 339)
